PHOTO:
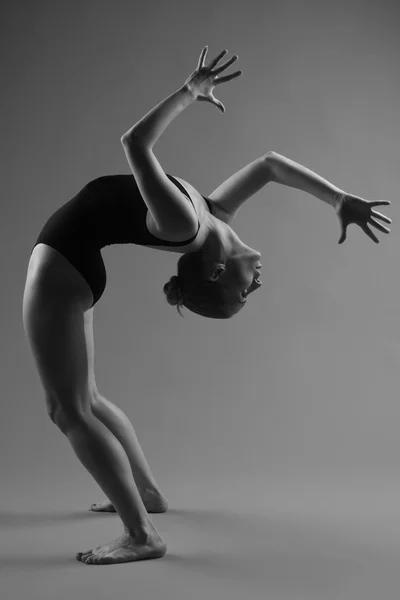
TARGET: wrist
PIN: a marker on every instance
(337, 199)
(188, 91)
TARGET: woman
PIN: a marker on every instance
(216, 274)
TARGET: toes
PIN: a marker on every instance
(98, 560)
(89, 559)
(92, 559)
(79, 555)
(86, 558)
(102, 507)
(83, 556)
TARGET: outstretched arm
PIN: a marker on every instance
(288, 172)
(232, 193)
(349, 208)
(239, 187)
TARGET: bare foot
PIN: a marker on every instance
(154, 502)
(106, 506)
(125, 549)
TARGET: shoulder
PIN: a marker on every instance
(203, 204)
(219, 213)
(109, 181)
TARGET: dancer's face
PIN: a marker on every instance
(240, 278)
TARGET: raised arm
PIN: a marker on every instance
(146, 132)
(168, 206)
(198, 86)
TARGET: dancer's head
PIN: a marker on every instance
(214, 283)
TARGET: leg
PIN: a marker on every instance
(54, 325)
(118, 423)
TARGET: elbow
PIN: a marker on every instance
(132, 143)
(271, 156)
(131, 140)
(127, 139)
(270, 161)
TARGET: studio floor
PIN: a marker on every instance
(287, 539)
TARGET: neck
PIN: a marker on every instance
(222, 244)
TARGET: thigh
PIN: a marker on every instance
(89, 339)
(60, 333)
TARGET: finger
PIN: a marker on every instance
(216, 60)
(380, 216)
(343, 235)
(226, 65)
(380, 203)
(202, 58)
(212, 100)
(227, 77)
(218, 104)
(376, 224)
(369, 233)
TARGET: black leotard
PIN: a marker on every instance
(108, 210)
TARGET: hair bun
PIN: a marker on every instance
(172, 291)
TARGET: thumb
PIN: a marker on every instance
(217, 103)
(343, 236)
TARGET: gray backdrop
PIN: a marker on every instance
(303, 384)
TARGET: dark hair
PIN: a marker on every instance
(191, 289)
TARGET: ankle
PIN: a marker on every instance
(141, 533)
(149, 488)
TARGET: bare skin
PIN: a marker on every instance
(58, 303)
(126, 548)
(154, 502)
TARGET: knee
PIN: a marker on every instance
(65, 416)
(67, 419)
(97, 403)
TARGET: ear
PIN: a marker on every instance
(217, 271)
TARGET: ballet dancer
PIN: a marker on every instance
(217, 273)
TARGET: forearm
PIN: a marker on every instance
(287, 172)
(147, 131)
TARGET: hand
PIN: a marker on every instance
(352, 209)
(202, 81)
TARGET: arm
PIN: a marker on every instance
(233, 192)
(287, 172)
(198, 86)
(146, 132)
(168, 206)
(171, 211)
(349, 208)
(239, 187)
